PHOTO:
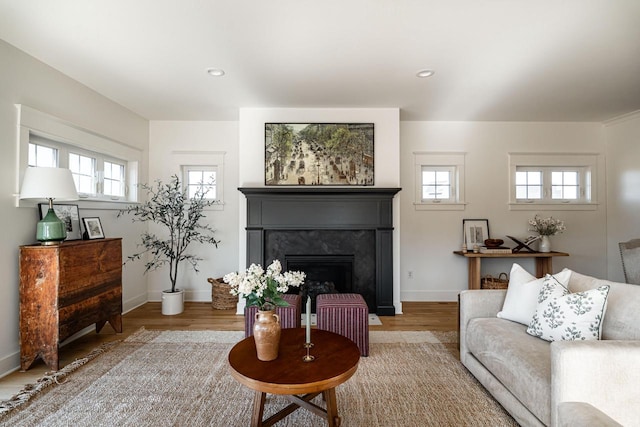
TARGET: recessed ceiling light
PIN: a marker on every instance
(215, 72)
(425, 73)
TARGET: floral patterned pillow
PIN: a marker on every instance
(561, 315)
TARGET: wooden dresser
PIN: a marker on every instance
(65, 288)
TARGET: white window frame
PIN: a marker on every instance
(201, 160)
(455, 162)
(200, 168)
(585, 163)
(36, 125)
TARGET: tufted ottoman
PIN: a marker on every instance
(289, 316)
(347, 315)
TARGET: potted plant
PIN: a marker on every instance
(264, 290)
(169, 206)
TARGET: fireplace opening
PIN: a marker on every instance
(325, 274)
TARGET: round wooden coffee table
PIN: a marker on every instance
(336, 360)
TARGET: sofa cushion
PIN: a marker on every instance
(521, 362)
(622, 321)
(562, 315)
(522, 294)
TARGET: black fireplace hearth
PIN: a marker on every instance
(338, 235)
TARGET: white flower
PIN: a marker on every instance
(547, 226)
(262, 288)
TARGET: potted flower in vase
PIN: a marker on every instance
(169, 206)
(546, 227)
(264, 290)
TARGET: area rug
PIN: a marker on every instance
(181, 378)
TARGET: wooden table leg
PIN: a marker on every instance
(474, 272)
(258, 408)
(329, 396)
(544, 266)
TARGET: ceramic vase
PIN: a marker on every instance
(266, 332)
(545, 244)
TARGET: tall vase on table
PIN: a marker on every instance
(266, 333)
(545, 244)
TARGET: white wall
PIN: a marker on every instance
(27, 81)
(428, 238)
(623, 187)
(386, 151)
(173, 142)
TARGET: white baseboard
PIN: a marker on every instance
(430, 296)
(9, 364)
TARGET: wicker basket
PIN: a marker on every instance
(490, 282)
(221, 299)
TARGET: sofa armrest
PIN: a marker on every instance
(580, 414)
(603, 373)
(477, 303)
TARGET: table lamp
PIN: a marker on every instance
(49, 184)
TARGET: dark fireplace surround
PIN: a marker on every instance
(299, 224)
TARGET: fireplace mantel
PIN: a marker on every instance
(271, 209)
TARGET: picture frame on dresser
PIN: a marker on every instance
(474, 232)
(69, 214)
(93, 228)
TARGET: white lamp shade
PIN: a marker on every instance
(48, 183)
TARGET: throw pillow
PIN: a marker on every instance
(521, 300)
(561, 315)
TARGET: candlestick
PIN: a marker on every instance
(308, 337)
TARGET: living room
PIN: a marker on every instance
(425, 268)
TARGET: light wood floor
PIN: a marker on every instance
(417, 316)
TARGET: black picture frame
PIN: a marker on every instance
(335, 154)
(475, 232)
(69, 214)
(93, 228)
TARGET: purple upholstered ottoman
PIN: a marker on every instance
(347, 315)
(289, 316)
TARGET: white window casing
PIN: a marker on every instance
(565, 181)
(41, 128)
(184, 161)
(443, 164)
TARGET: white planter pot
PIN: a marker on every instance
(172, 302)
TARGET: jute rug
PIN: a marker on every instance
(181, 378)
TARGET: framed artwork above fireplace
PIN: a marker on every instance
(319, 154)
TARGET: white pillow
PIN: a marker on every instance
(522, 294)
(561, 315)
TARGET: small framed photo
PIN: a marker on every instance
(93, 228)
(475, 231)
(69, 214)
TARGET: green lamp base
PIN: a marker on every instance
(51, 230)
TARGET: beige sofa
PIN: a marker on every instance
(530, 377)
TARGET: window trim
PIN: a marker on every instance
(182, 159)
(455, 160)
(588, 162)
(37, 123)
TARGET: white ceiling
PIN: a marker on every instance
(531, 60)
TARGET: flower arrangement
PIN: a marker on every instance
(262, 288)
(546, 226)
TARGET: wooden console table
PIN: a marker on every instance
(65, 288)
(544, 263)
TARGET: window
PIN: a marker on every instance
(202, 170)
(46, 141)
(83, 170)
(113, 182)
(439, 181)
(559, 181)
(201, 178)
(42, 156)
